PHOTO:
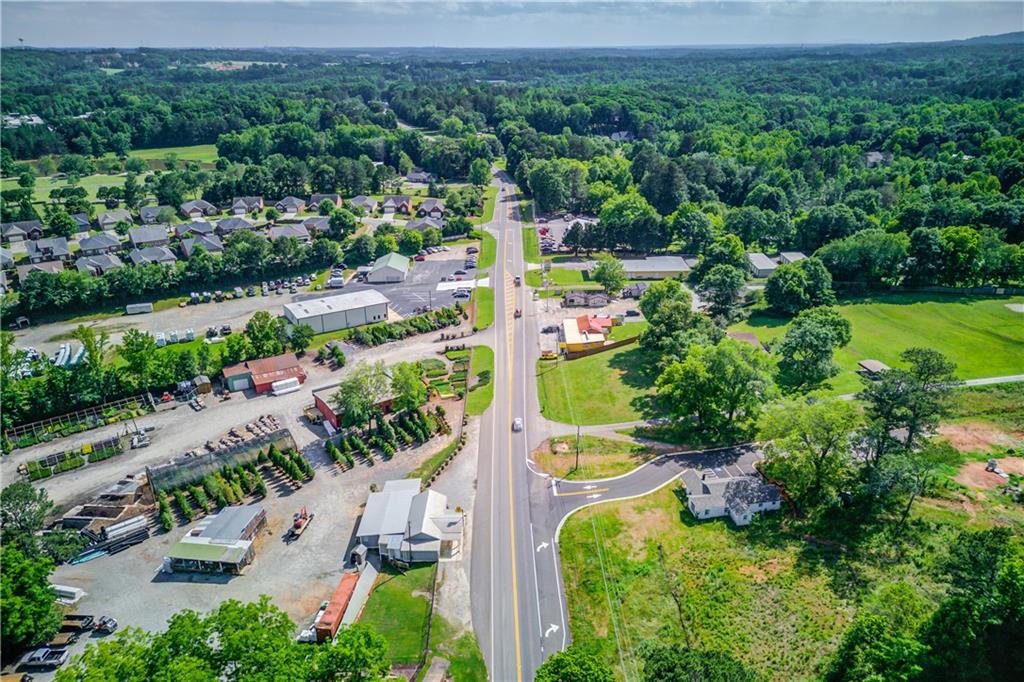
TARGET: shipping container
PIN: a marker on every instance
(138, 308)
(331, 619)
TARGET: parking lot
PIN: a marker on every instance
(554, 226)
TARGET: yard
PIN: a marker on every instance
(981, 335)
(599, 457)
(490, 196)
(398, 610)
(604, 388)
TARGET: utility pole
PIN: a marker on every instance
(577, 447)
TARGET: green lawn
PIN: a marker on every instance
(981, 335)
(604, 388)
(488, 250)
(531, 247)
(480, 399)
(599, 457)
(490, 195)
(627, 330)
(199, 152)
(483, 298)
(557, 277)
(109, 71)
(756, 593)
(90, 183)
(397, 613)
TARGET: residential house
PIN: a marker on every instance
(109, 219)
(52, 266)
(791, 256)
(50, 249)
(421, 224)
(432, 208)
(366, 203)
(317, 199)
(98, 264)
(6, 259)
(297, 231)
(153, 235)
(198, 208)
(392, 267)
(585, 298)
(229, 225)
(104, 242)
(317, 224)
(404, 524)
(150, 215)
(419, 175)
(714, 493)
(195, 228)
(245, 205)
(400, 204)
(21, 231)
(153, 254)
(210, 242)
(290, 205)
(635, 290)
(82, 222)
(761, 265)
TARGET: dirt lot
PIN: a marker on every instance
(978, 436)
(298, 577)
(973, 475)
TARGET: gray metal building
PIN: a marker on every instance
(339, 312)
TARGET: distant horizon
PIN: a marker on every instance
(482, 24)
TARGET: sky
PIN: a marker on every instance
(481, 23)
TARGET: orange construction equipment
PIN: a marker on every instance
(301, 522)
(331, 620)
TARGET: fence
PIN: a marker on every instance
(181, 472)
(594, 351)
(85, 419)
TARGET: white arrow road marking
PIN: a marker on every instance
(593, 497)
(541, 546)
(551, 630)
(589, 487)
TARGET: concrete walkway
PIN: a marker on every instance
(438, 670)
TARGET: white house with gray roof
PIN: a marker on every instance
(404, 524)
(713, 493)
(154, 235)
(109, 219)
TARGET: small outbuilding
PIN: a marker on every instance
(221, 543)
(791, 257)
(260, 375)
(873, 368)
(761, 265)
(655, 267)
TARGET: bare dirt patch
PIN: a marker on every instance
(977, 436)
(650, 522)
(973, 474)
(766, 570)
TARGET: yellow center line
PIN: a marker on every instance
(510, 340)
(583, 492)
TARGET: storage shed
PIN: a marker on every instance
(339, 312)
(260, 375)
(760, 264)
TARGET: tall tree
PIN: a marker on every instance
(407, 386)
(610, 274)
(138, 350)
(807, 347)
(721, 288)
(575, 664)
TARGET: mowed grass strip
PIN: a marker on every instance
(483, 299)
(398, 609)
(531, 247)
(480, 398)
(981, 335)
(750, 592)
(556, 277)
(488, 250)
(599, 457)
(605, 388)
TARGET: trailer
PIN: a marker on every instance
(285, 386)
(331, 619)
(74, 622)
(138, 308)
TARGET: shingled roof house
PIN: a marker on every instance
(710, 494)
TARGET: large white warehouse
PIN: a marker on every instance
(339, 312)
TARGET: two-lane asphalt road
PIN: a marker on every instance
(518, 600)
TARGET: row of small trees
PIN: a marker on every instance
(230, 485)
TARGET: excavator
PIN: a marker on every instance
(300, 522)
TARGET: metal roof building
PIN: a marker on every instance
(404, 524)
(339, 312)
(391, 267)
(222, 543)
(760, 264)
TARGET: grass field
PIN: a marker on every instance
(599, 457)
(483, 299)
(480, 399)
(626, 330)
(90, 183)
(531, 247)
(398, 610)
(604, 388)
(981, 335)
(557, 277)
(753, 592)
(199, 152)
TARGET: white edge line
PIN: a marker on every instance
(656, 459)
(558, 588)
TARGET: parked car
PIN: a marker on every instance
(420, 258)
(460, 272)
(460, 294)
(251, 291)
(238, 292)
(225, 330)
(472, 249)
(45, 658)
(632, 313)
(550, 329)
